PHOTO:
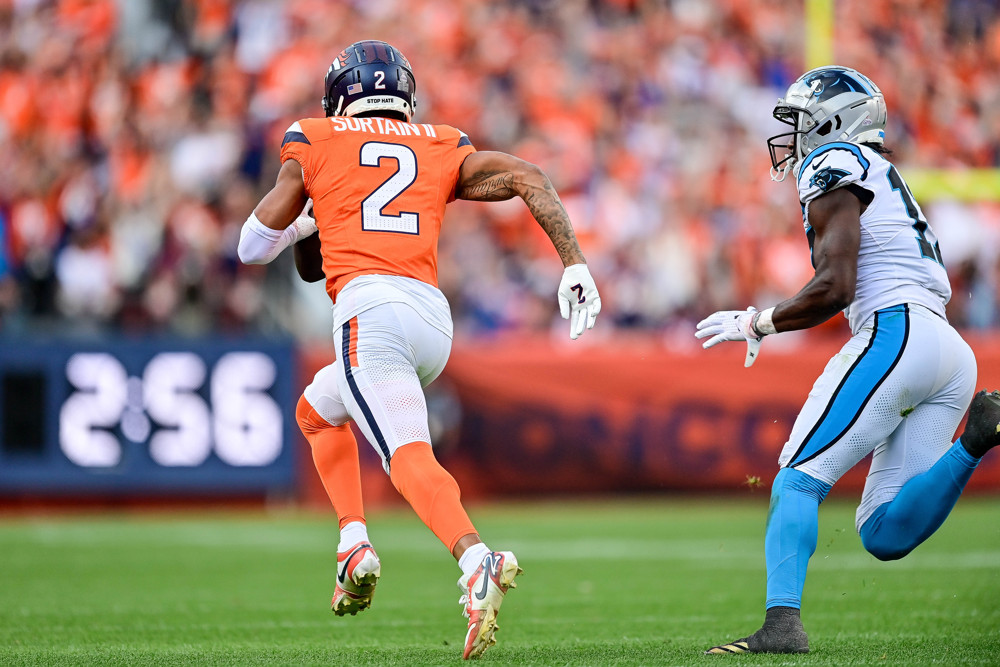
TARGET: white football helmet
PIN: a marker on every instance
(824, 105)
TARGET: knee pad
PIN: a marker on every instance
(323, 394)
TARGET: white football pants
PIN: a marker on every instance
(898, 389)
(386, 355)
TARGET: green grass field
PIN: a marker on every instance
(623, 583)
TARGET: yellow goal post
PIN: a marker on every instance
(966, 185)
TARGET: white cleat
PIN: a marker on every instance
(358, 570)
(482, 594)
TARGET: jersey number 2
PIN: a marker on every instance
(373, 218)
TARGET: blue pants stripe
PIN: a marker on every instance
(866, 375)
(352, 383)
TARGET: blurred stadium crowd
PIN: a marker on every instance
(137, 135)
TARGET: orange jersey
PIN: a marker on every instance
(379, 188)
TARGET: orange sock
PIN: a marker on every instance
(432, 492)
(335, 453)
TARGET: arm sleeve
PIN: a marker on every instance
(259, 244)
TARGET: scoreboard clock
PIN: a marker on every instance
(205, 417)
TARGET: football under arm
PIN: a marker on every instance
(496, 176)
(275, 223)
(309, 259)
(835, 218)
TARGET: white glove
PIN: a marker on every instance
(578, 296)
(304, 227)
(731, 325)
(305, 224)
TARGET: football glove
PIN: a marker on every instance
(726, 325)
(579, 301)
(305, 226)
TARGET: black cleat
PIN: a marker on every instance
(764, 641)
(782, 633)
(982, 430)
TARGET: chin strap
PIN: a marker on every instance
(778, 175)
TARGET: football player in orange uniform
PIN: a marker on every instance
(379, 185)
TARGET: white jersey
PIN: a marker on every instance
(899, 260)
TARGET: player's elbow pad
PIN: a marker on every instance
(260, 244)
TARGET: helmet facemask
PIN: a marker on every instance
(786, 148)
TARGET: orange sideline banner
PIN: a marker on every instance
(542, 416)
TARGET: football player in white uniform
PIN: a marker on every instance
(899, 388)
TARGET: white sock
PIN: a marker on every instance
(472, 557)
(351, 534)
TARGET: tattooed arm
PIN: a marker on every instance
(495, 176)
